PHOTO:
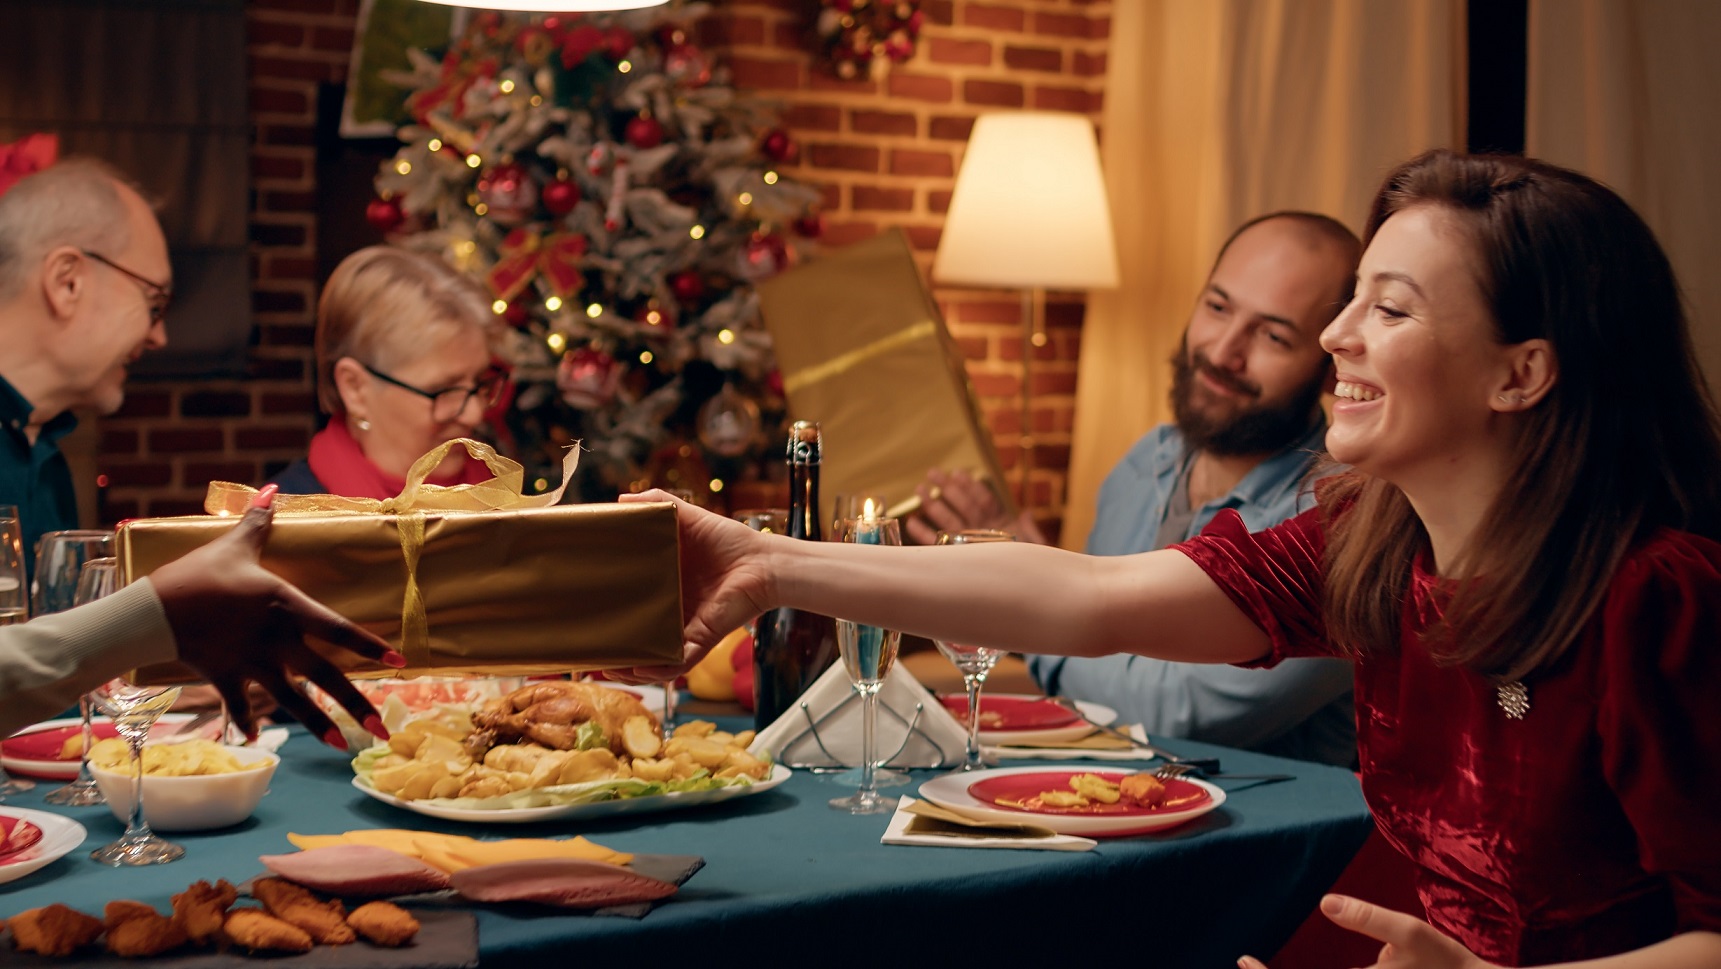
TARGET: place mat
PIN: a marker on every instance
(918, 822)
(1099, 745)
(447, 939)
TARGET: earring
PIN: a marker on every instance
(363, 424)
(1511, 398)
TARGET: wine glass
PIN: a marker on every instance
(134, 710)
(99, 578)
(14, 605)
(868, 652)
(974, 662)
(60, 559)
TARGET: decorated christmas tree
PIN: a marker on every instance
(618, 199)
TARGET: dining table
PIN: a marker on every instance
(788, 880)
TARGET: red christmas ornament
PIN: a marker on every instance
(561, 195)
(777, 145)
(384, 214)
(764, 255)
(518, 314)
(687, 65)
(588, 377)
(644, 132)
(810, 226)
(508, 193)
(687, 286)
(774, 383)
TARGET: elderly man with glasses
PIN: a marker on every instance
(84, 289)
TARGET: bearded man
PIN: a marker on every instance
(1246, 393)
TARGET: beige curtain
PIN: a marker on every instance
(1219, 110)
(1626, 91)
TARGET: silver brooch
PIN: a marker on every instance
(1514, 699)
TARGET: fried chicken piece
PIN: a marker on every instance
(324, 922)
(384, 923)
(53, 930)
(122, 910)
(137, 931)
(257, 930)
(201, 909)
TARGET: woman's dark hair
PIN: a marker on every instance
(1626, 441)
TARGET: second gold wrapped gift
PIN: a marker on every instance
(456, 583)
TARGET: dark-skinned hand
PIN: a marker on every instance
(238, 624)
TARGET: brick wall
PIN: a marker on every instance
(158, 453)
(884, 151)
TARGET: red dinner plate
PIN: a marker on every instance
(47, 744)
(16, 837)
(1013, 712)
(1009, 792)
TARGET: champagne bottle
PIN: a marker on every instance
(791, 647)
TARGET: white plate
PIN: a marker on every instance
(1101, 715)
(440, 808)
(59, 836)
(951, 791)
(66, 770)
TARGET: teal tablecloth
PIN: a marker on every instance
(790, 881)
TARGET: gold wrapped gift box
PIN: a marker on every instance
(864, 351)
(528, 589)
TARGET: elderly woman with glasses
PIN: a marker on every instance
(403, 364)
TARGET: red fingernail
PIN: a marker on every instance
(394, 659)
(334, 739)
(265, 496)
(373, 723)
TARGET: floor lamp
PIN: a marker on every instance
(1029, 212)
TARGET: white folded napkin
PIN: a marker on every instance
(938, 740)
(978, 835)
(1007, 752)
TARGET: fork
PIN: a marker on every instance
(1166, 772)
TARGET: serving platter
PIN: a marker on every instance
(470, 809)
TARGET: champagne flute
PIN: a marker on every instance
(868, 652)
(14, 605)
(99, 578)
(134, 710)
(974, 662)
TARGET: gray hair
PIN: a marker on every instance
(74, 203)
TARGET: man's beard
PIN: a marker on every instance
(1250, 430)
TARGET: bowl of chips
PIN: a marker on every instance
(191, 785)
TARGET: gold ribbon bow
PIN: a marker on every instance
(500, 493)
(525, 254)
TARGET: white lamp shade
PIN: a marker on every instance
(1029, 208)
(552, 6)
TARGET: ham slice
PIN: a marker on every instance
(565, 882)
(357, 870)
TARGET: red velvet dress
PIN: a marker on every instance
(1590, 827)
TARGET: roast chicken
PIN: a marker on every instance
(551, 713)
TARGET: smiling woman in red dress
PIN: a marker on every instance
(1523, 563)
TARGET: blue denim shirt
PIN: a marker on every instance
(1300, 708)
(35, 476)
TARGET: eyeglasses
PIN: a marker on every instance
(448, 403)
(155, 294)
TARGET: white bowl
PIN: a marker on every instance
(194, 803)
